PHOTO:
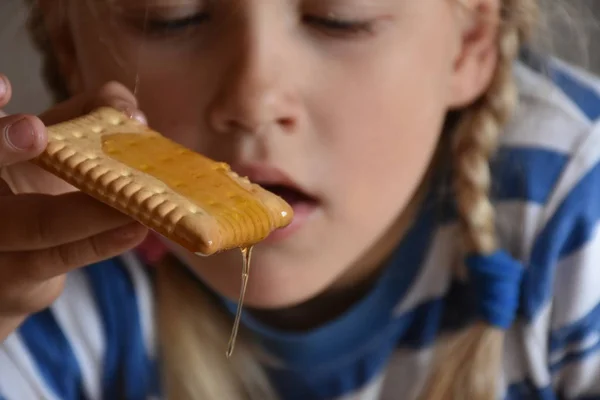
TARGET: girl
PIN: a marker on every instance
(444, 180)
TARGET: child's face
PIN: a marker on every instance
(345, 114)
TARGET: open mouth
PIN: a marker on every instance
(280, 184)
(292, 196)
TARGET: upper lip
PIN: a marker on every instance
(268, 175)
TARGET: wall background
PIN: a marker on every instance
(21, 63)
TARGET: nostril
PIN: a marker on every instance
(286, 123)
(237, 118)
(231, 126)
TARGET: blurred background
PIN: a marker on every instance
(21, 63)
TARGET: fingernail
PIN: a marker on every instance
(139, 116)
(132, 113)
(20, 135)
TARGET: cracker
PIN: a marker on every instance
(194, 201)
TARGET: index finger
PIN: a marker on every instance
(112, 94)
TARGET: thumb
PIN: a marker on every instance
(22, 137)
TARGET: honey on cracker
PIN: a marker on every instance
(194, 201)
(197, 178)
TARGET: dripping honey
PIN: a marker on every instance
(246, 256)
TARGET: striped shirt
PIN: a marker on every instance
(97, 340)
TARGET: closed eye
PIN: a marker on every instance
(338, 25)
(165, 26)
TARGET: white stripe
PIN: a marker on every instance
(516, 223)
(582, 163)
(13, 386)
(15, 358)
(538, 125)
(79, 319)
(406, 373)
(525, 352)
(579, 379)
(145, 301)
(576, 292)
(539, 86)
(535, 342)
(369, 392)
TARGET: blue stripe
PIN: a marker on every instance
(576, 332)
(416, 329)
(567, 231)
(584, 96)
(53, 355)
(528, 391)
(575, 356)
(127, 372)
(419, 327)
(528, 174)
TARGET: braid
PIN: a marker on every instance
(469, 364)
(476, 135)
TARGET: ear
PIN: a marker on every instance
(475, 64)
(60, 39)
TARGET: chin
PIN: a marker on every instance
(275, 281)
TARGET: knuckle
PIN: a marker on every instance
(97, 248)
(67, 255)
(40, 228)
(77, 254)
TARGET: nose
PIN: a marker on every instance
(256, 94)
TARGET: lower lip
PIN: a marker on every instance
(302, 212)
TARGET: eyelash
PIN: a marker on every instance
(166, 26)
(335, 26)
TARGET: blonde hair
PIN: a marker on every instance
(469, 363)
(194, 331)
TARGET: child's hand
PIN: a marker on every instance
(46, 227)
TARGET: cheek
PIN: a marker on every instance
(386, 130)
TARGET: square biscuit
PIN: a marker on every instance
(197, 202)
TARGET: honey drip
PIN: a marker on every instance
(246, 255)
